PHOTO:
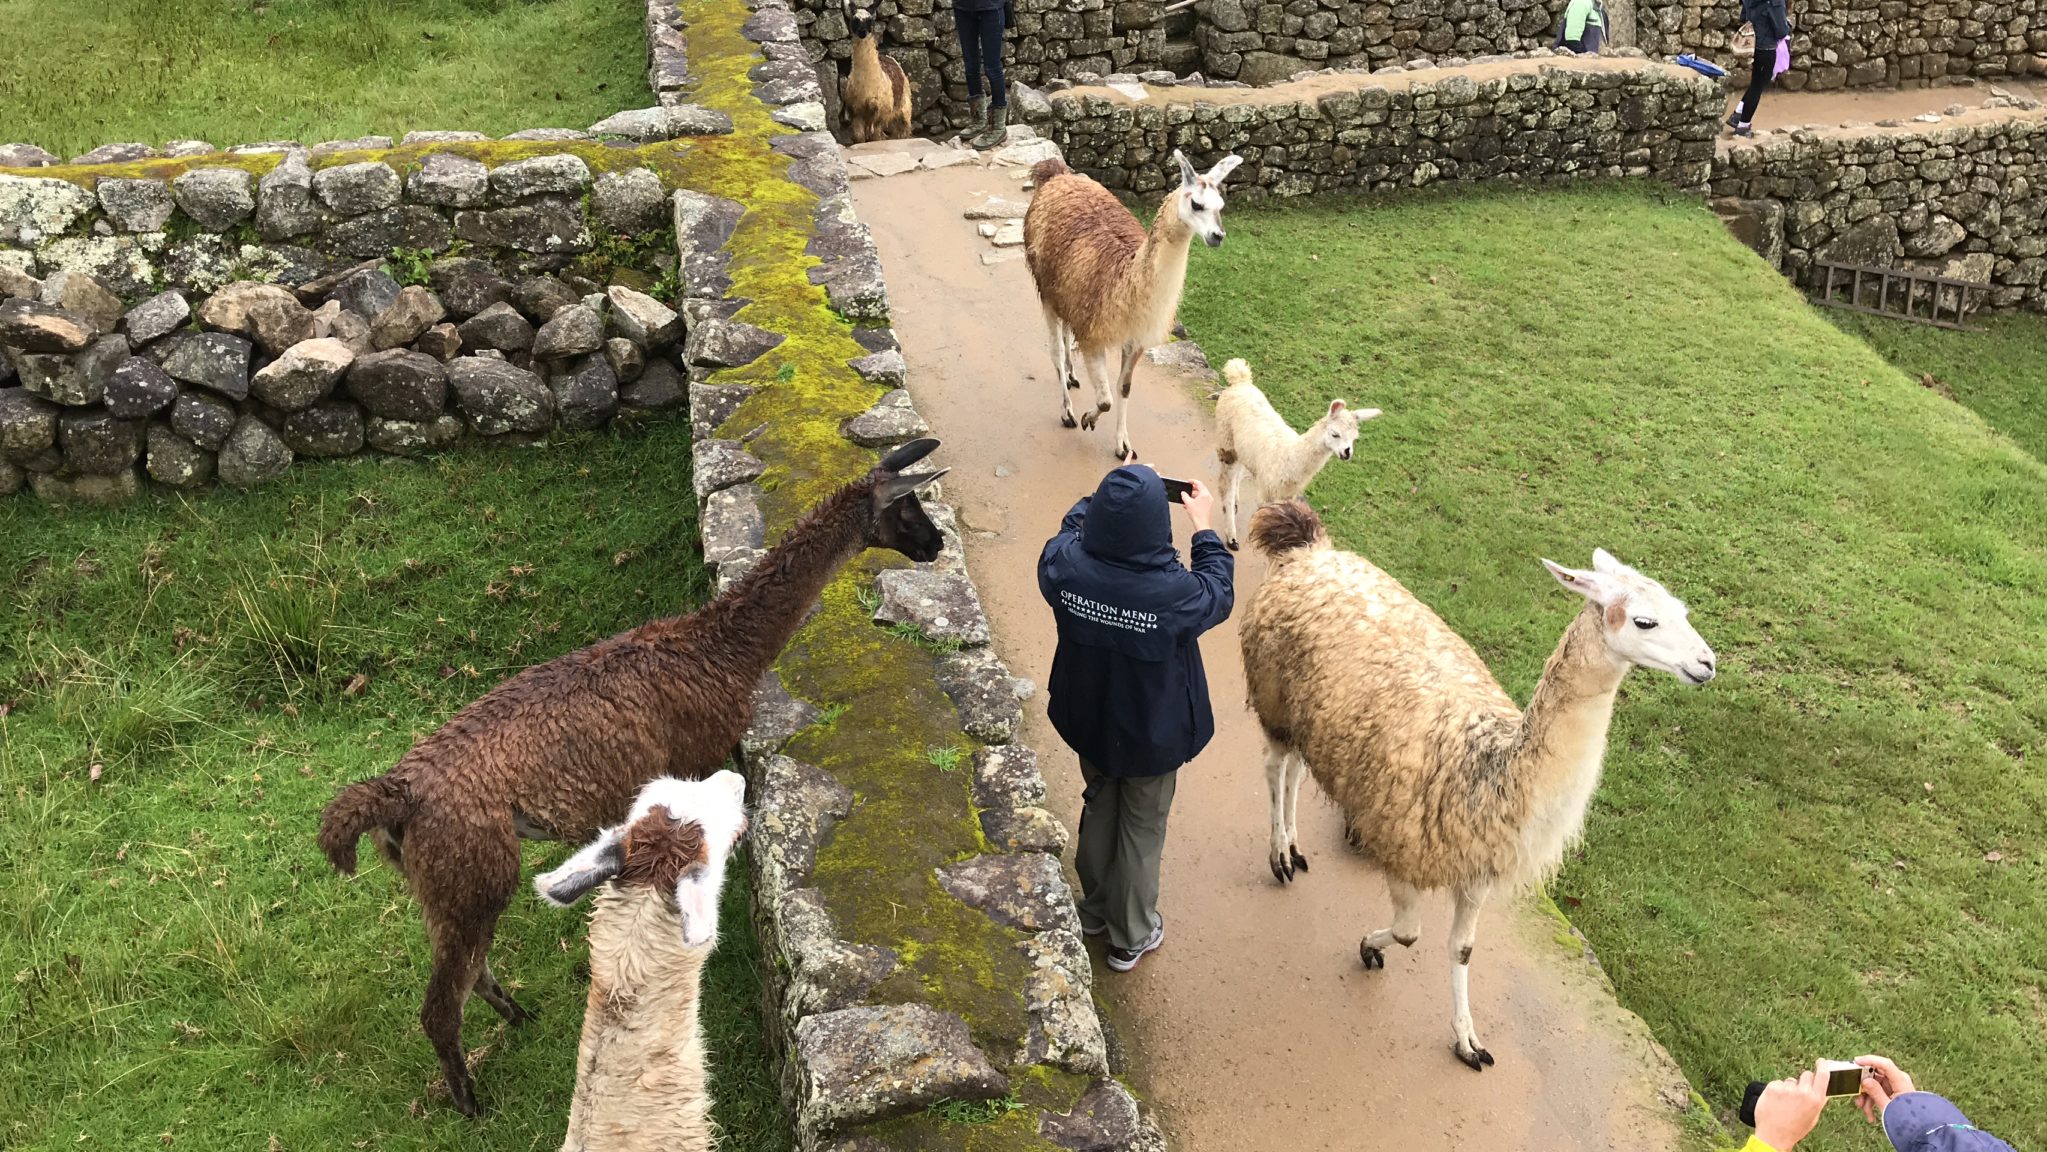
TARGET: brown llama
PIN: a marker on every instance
(641, 1084)
(877, 93)
(1107, 285)
(1443, 782)
(559, 750)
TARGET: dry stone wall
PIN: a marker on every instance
(1963, 198)
(1855, 43)
(1529, 119)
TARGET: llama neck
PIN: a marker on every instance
(753, 621)
(1563, 739)
(866, 56)
(640, 1079)
(1151, 286)
(639, 966)
(1298, 462)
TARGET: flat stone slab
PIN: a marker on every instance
(1007, 777)
(943, 605)
(997, 208)
(981, 688)
(719, 464)
(862, 167)
(885, 367)
(732, 526)
(1104, 1119)
(1024, 830)
(826, 973)
(776, 716)
(891, 421)
(1025, 890)
(1185, 357)
(860, 1065)
(1059, 997)
(1008, 235)
(948, 157)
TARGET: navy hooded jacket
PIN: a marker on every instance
(1128, 692)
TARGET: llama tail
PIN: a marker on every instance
(1044, 170)
(379, 802)
(1237, 372)
(1282, 529)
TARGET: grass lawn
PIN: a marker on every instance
(1839, 846)
(181, 966)
(80, 73)
(2000, 373)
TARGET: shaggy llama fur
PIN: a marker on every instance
(1251, 439)
(1107, 285)
(877, 93)
(559, 750)
(640, 1074)
(1443, 783)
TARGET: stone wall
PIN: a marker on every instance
(920, 941)
(1964, 198)
(217, 315)
(1511, 119)
(1846, 43)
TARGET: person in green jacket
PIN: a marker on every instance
(1584, 27)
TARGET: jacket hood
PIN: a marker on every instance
(1128, 522)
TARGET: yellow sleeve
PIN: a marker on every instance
(1755, 1144)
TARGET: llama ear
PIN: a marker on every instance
(1591, 585)
(1336, 407)
(897, 487)
(1187, 173)
(908, 454)
(1223, 168)
(1603, 561)
(593, 864)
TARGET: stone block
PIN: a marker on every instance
(941, 605)
(864, 1064)
(1025, 890)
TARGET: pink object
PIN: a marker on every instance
(1783, 59)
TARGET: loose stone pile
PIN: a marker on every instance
(1353, 132)
(236, 385)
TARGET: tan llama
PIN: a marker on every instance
(876, 95)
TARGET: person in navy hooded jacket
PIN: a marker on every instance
(1128, 693)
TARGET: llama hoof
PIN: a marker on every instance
(1067, 421)
(1372, 957)
(1478, 1059)
(1282, 871)
(1351, 837)
(463, 1096)
(1300, 862)
(1087, 421)
(1231, 545)
(1073, 384)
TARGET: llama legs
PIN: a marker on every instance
(494, 994)
(1407, 925)
(1098, 374)
(1463, 933)
(1062, 366)
(1123, 448)
(1233, 478)
(461, 913)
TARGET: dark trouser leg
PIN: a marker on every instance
(1593, 38)
(991, 57)
(1094, 856)
(1760, 74)
(969, 26)
(1130, 905)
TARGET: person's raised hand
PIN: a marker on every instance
(1885, 1082)
(1200, 504)
(1789, 1109)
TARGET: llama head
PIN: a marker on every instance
(859, 22)
(1644, 624)
(1340, 427)
(1201, 197)
(677, 841)
(898, 517)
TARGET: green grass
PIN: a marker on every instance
(1839, 846)
(185, 682)
(2000, 373)
(80, 73)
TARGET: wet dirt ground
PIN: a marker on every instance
(1255, 1027)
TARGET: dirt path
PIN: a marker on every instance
(1830, 109)
(1255, 1027)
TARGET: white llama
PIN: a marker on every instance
(1252, 439)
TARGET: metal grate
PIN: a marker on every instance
(1899, 293)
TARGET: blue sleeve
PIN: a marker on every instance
(1075, 516)
(1216, 569)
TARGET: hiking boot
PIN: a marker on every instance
(1744, 130)
(998, 128)
(1123, 960)
(979, 123)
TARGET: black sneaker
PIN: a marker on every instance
(1123, 960)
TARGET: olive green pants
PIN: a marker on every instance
(1122, 838)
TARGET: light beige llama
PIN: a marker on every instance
(1252, 440)
(640, 1079)
(1443, 783)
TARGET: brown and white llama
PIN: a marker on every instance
(1106, 284)
(1251, 439)
(560, 750)
(1443, 783)
(876, 94)
(641, 1084)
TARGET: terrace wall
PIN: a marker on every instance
(1965, 198)
(1503, 120)
(1847, 43)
